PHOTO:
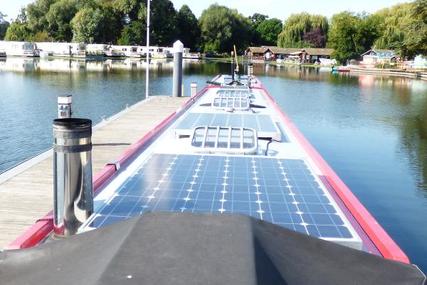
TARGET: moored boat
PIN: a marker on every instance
(231, 150)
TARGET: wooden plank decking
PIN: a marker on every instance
(27, 196)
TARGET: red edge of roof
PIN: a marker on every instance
(385, 244)
(37, 232)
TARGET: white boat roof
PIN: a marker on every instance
(222, 169)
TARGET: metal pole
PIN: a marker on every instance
(72, 172)
(147, 69)
(178, 48)
(232, 66)
(64, 106)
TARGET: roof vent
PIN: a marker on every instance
(215, 139)
(231, 103)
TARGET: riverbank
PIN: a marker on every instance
(413, 74)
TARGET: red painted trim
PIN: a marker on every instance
(385, 244)
(102, 176)
(36, 233)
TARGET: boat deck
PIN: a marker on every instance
(229, 153)
(26, 191)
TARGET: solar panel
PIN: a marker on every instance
(263, 124)
(225, 140)
(282, 191)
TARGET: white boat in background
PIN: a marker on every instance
(13, 48)
(327, 62)
(192, 55)
(115, 53)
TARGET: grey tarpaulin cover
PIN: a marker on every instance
(172, 248)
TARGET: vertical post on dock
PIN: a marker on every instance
(193, 89)
(72, 172)
(178, 48)
(250, 69)
(147, 66)
(64, 106)
(232, 66)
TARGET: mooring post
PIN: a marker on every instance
(232, 66)
(250, 69)
(72, 172)
(178, 48)
(64, 106)
(193, 89)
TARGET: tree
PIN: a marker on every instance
(163, 23)
(188, 28)
(17, 31)
(59, 19)
(96, 23)
(298, 26)
(3, 25)
(416, 39)
(342, 36)
(222, 27)
(133, 34)
(268, 31)
(85, 25)
(394, 25)
(34, 15)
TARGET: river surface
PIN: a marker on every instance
(371, 130)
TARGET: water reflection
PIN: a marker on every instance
(19, 64)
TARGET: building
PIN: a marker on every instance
(300, 55)
(255, 53)
(378, 56)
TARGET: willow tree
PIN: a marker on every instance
(394, 27)
(301, 30)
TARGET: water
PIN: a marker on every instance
(371, 130)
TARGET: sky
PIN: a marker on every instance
(280, 9)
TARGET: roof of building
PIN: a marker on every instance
(256, 49)
(382, 53)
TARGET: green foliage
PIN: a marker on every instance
(188, 28)
(133, 34)
(163, 23)
(264, 30)
(85, 24)
(416, 39)
(17, 31)
(404, 28)
(41, 37)
(351, 35)
(96, 23)
(269, 31)
(298, 25)
(59, 19)
(34, 15)
(222, 27)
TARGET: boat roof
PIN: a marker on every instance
(230, 152)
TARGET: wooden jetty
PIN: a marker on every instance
(26, 191)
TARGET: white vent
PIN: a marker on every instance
(215, 139)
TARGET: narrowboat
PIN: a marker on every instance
(226, 190)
